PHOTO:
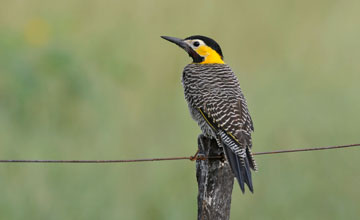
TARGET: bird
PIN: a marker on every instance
(216, 102)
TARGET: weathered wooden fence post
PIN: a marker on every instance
(215, 182)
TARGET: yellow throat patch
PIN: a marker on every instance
(209, 54)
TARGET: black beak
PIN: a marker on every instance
(177, 41)
(181, 43)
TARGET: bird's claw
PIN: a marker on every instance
(192, 158)
(198, 156)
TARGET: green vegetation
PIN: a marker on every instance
(94, 80)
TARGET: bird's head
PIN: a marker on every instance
(201, 49)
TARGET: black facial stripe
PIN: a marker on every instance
(195, 56)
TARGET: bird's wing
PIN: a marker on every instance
(237, 150)
(228, 110)
(225, 109)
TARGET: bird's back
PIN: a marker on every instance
(217, 103)
(216, 89)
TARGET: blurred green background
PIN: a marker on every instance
(93, 80)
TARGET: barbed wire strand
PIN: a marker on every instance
(176, 158)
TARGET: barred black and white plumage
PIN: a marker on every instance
(213, 91)
(216, 102)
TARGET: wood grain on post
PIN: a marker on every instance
(215, 182)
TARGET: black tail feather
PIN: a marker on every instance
(241, 169)
(235, 166)
(248, 178)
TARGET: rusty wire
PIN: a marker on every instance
(176, 158)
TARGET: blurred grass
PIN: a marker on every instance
(93, 80)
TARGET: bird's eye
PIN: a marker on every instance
(196, 43)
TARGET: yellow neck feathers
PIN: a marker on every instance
(210, 55)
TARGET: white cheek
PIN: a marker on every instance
(191, 44)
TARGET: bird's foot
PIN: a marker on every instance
(192, 158)
(198, 156)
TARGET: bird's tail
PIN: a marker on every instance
(240, 162)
